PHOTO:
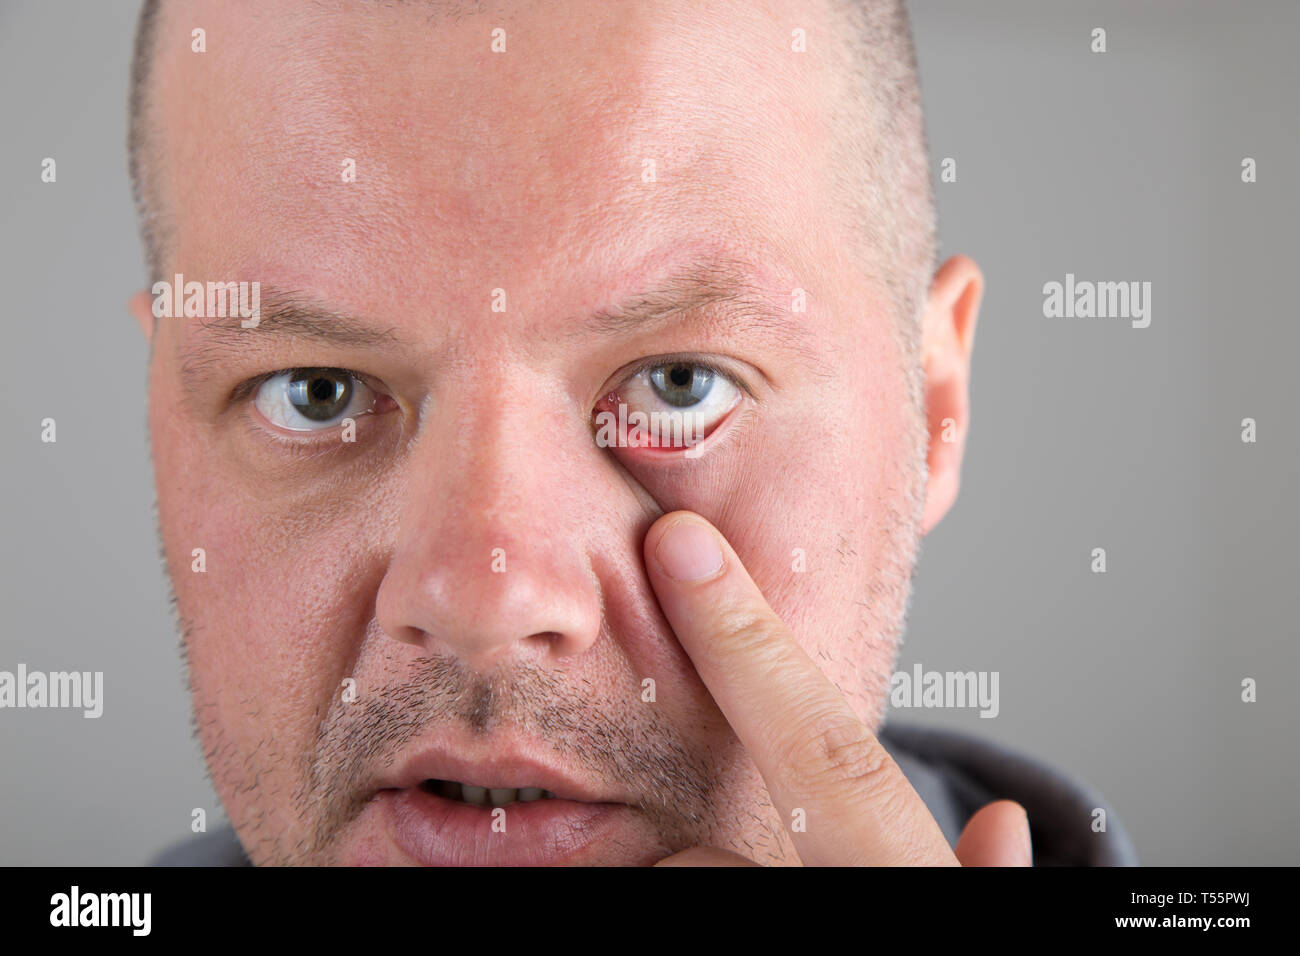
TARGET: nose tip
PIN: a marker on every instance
(486, 603)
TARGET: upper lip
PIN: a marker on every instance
(499, 766)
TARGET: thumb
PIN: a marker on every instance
(998, 835)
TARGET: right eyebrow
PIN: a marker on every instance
(283, 315)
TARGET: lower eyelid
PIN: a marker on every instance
(328, 435)
(306, 444)
(674, 454)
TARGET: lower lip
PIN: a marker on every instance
(435, 831)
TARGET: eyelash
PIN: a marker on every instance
(683, 358)
(246, 390)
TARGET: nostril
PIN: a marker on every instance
(405, 635)
(545, 639)
(553, 644)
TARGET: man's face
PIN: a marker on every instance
(459, 594)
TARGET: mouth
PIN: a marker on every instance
(502, 807)
(484, 796)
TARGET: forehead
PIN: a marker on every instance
(606, 134)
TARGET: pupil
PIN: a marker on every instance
(322, 390)
(682, 385)
(320, 394)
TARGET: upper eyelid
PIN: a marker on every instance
(655, 361)
(249, 387)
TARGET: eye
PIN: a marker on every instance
(666, 405)
(312, 399)
(682, 385)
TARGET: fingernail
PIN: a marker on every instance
(689, 551)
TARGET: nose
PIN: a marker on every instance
(489, 559)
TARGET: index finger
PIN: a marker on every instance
(812, 750)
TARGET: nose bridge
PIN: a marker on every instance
(487, 557)
(492, 458)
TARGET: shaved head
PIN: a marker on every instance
(882, 174)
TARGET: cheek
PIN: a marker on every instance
(282, 607)
(791, 516)
(815, 502)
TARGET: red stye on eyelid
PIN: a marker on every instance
(610, 405)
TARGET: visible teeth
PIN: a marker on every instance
(485, 796)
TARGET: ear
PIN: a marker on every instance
(141, 306)
(947, 337)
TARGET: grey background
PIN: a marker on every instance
(1086, 432)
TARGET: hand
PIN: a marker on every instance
(811, 749)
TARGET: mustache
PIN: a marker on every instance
(608, 735)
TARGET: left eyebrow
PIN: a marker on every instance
(722, 286)
(282, 315)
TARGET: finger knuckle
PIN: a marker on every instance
(740, 628)
(840, 753)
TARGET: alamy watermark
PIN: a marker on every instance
(638, 429)
(1085, 299)
(129, 910)
(57, 689)
(945, 689)
(208, 300)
